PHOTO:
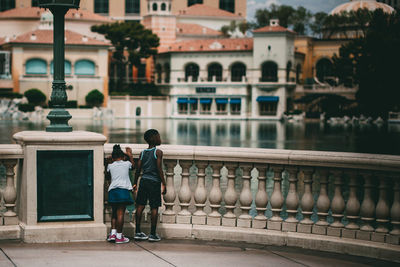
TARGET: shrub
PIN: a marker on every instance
(10, 95)
(71, 104)
(35, 96)
(94, 98)
(26, 107)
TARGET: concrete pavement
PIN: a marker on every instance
(170, 253)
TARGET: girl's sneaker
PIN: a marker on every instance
(121, 240)
(154, 238)
(111, 238)
(141, 236)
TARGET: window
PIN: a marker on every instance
(268, 108)
(67, 67)
(132, 6)
(221, 105)
(5, 64)
(193, 2)
(36, 66)
(215, 69)
(101, 6)
(155, 7)
(163, 7)
(236, 105)
(205, 105)
(228, 5)
(182, 105)
(298, 72)
(158, 73)
(269, 72)
(167, 70)
(192, 70)
(288, 69)
(238, 70)
(324, 70)
(84, 67)
(193, 103)
(6, 5)
(35, 3)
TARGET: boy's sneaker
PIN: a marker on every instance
(111, 238)
(121, 240)
(141, 236)
(154, 238)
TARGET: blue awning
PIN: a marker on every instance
(221, 100)
(236, 101)
(192, 101)
(182, 100)
(268, 99)
(205, 100)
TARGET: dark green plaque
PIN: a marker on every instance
(65, 185)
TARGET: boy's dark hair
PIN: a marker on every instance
(117, 152)
(148, 135)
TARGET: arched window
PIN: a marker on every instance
(215, 69)
(36, 66)
(163, 7)
(158, 73)
(298, 72)
(7, 4)
(167, 71)
(155, 7)
(192, 70)
(35, 3)
(288, 69)
(101, 6)
(324, 69)
(228, 5)
(193, 2)
(67, 67)
(238, 70)
(84, 67)
(132, 6)
(269, 72)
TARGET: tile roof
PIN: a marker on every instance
(195, 29)
(46, 37)
(277, 28)
(200, 10)
(210, 45)
(36, 12)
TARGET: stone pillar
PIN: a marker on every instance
(245, 198)
(307, 202)
(395, 213)
(169, 216)
(230, 197)
(260, 221)
(292, 201)
(215, 197)
(10, 194)
(275, 222)
(200, 195)
(352, 208)
(61, 170)
(367, 211)
(382, 212)
(337, 206)
(184, 216)
(323, 203)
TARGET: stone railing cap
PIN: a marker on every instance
(62, 138)
(10, 151)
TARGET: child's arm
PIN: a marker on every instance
(159, 154)
(130, 156)
(138, 168)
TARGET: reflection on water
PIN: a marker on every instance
(235, 133)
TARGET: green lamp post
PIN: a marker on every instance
(59, 117)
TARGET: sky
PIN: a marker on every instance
(312, 5)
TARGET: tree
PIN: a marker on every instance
(317, 23)
(35, 96)
(94, 98)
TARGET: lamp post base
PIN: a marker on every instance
(59, 121)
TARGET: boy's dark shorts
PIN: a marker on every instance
(149, 190)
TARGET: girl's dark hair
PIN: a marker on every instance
(148, 135)
(117, 152)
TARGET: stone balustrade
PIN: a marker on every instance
(345, 195)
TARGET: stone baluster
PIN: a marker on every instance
(200, 195)
(245, 198)
(230, 197)
(307, 202)
(275, 222)
(292, 201)
(323, 203)
(215, 197)
(352, 207)
(382, 210)
(395, 213)
(168, 215)
(10, 193)
(367, 211)
(185, 194)
(260, 221)
(337, 206)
